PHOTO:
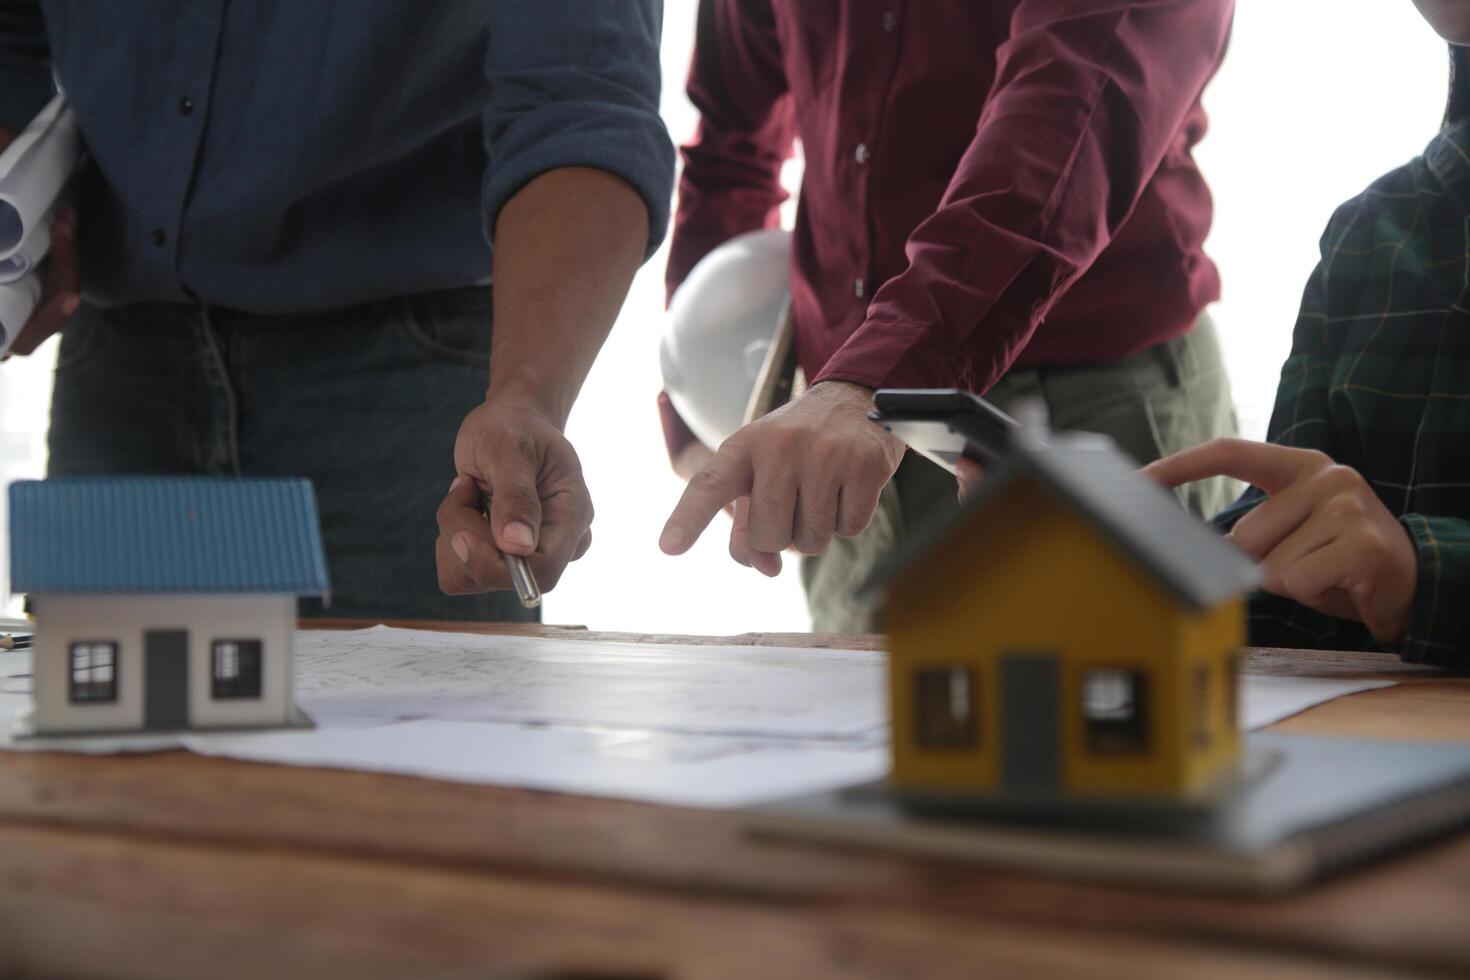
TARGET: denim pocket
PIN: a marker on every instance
(80, 338)
(451, 326)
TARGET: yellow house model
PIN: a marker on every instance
(1069, 632)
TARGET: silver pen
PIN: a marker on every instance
(524, 580)
(521, 576)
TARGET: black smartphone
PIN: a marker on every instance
(944, 424)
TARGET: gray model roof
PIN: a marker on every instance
(1090, 473)
(165, 535)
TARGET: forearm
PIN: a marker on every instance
(1089, 98)
(566, 248)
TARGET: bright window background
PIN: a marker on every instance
(1316, 99)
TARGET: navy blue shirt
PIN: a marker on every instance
(282, 156)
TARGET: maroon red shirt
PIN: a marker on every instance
(988, 183)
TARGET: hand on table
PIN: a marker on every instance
(810, 469)
(512, 455)
(1322, 536)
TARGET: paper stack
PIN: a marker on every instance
(33, 171)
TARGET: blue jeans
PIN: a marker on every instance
(365, 402)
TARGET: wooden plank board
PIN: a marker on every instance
(77, 904)
(1412, 913)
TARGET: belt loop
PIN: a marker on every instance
(1170, 357)
(1016, 387)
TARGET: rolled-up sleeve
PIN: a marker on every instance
(1436, 632)
(25, 63)
(1089, 97)
(575, 84)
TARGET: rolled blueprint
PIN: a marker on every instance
(17, 301)
(33, 249)
(33, 171)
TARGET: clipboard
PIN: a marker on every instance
(779, 380)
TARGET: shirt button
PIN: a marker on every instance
(890, 21)
(859, 288)
(158, 237)
(186, 106)
(861, 154)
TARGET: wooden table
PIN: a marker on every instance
(172, 865)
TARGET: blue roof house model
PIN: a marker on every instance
(164, 603)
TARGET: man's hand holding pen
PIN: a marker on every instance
(539, 511)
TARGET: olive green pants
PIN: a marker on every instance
(1167, 398)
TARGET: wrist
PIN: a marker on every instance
(531, 394)
(848, 391)
(850, 403)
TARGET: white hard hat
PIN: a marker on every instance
(721, 322)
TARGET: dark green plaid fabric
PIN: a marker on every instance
(1379, 379)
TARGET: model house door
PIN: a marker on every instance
(1030, 688)
(166, 679)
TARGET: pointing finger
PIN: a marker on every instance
(720, 481)
(1261, 464)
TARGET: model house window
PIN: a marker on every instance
(1115, 709)
(1201, 725)
(236, 669)
(93, 672)
(944, 707)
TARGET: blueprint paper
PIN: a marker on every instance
(660, 723)
(17, 301)
(734, 690)
(33, 170)
(32, 250)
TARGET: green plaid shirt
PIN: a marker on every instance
(1379, 379)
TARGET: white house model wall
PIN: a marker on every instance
(64, 620)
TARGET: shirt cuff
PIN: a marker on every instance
(677, 435)
(22, 96)
(628, 143)
(1436, 629)
(894, 354)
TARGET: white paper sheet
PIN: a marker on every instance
(672, 768)
(673, 724)
(1268, 699)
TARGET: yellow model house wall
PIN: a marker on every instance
(1029, 574)
(1212, 640)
